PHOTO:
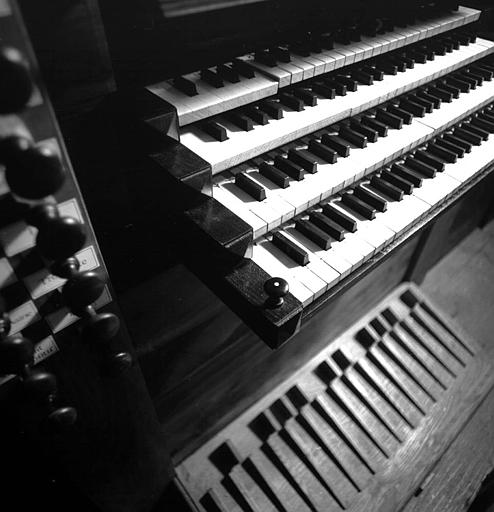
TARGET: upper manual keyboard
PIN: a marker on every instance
(234, 137)
(252, 77)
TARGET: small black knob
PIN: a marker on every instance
(66, 268)
(276, 288)
(35, 172)
(120, 363)
(16, 85)
(82, 290)
(41, 214)
(101, 327)
(60, 238)
(15, 353)
(62, 418)
(40, 385)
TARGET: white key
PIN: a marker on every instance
(290, 268)
(242, 146)
(267, 260)
(435, 190)
(319, 267)
(210, 100)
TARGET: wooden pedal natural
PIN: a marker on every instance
(356, 428)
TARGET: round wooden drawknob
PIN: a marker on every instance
(276, 289)
(40, 385)
(16, 85)
(5, 325)
(62, 418)
(66, 268)
(82, 290)
(119, 363)
(42, 214)
(60, 238)
(15, 353)
(101, 327)
(35, 172)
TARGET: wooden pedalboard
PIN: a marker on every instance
(357, 428)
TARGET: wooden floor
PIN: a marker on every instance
(462, 285)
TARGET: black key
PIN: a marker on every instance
(281, 54)
(418, 56)
(351, 136)
(463, 38)
(185, 85)
(291, 249)
(451, 44)
(436, 102)
(441, 94)
(410, 63)
(247, 184)
(228, 73)
(388, 67)
(212, 78)
(256, 115)
(275, 175)
(429, 52)
(351, 84)
(272, 108)
(327, 225)
(314, 233)
(458, 142)
(304, 159)
(324, 90)
(389, 119)
(407, 174)
(326, 41)
(377, 74)
(339, 217)
(421, 167)
(390, 190)
(428, 159)
(468, 136)
(300, 49)
(414, 108)
(470, 79)
(307, 96)
(266, 58)
(240, 120)
(448, 88)
(486, 74)
(488, 115)
(243, 68)
(216, 131)
(339, 145)
(406, 186)
(460, 152)
(291, 101)
(483, 123)
(438, 47)
(441, 152)
(380, 128)
(396, 111)
(428, 105)
(400, 65)
(370, 198)
(475, 129)
(322, 151)
(362, 77)
(357, 205)
(293, 170)
(371, 134)
(340, 88)
(459, 84)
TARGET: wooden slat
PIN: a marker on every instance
(354, 429)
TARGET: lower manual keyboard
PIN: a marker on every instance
(317, 249)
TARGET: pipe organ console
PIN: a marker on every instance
(261, 180)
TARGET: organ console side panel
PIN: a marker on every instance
(69, 381)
